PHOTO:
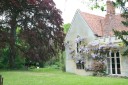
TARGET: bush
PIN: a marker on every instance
(4, 58)
(99, 68)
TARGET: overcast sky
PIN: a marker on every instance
(69, 7)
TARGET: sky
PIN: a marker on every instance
(69, 7)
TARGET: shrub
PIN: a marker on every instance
(99, 68)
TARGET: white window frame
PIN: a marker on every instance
(110, 63)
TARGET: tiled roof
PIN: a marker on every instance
(104, 25)
(94, 22)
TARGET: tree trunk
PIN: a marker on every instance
(12, 53)
(12, 57)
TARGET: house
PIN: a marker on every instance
(90, 38)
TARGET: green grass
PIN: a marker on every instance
(50, 76)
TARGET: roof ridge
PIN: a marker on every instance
(98, 24)
(92, 14)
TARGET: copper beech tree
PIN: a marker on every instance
(30, 28)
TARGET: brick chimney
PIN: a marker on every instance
(109, 19)
(110, 7)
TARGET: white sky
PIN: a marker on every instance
(69, 7)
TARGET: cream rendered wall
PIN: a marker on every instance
(81, 28)
(124, 65)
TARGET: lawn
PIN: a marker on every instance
(50, 76)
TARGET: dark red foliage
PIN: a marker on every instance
(31, 2)
(40, 35)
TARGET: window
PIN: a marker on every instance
(78, 46)
(118, 63)
(113, 63)
(80, 64)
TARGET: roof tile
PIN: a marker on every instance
(104, 25)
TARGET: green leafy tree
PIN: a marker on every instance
(66, 27)
(30, 28)
(122, 35)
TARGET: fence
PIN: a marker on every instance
(1, 80)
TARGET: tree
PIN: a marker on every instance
(66, 27)
(30, 28)
(122, 35)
